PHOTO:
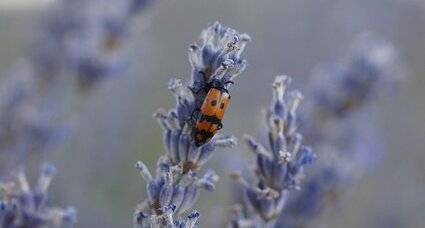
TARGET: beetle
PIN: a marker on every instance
(211, 112)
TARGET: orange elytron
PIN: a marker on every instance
(211, 113)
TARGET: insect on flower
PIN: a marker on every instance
(211, 112)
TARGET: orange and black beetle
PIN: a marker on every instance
(211, 112)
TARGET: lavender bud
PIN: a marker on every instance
(144, 171)
(192, 218)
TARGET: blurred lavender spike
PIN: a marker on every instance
(73, 38)
(88, 41)
(371, 69)
(176, 186)
(23, 206)
(279, 166)
(28, 114)
(94, 44)
(332, 125)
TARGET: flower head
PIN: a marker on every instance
(279, 165)
(25, 206)
(175, 188)
(218, 55)
(331, 125)
(372, 67)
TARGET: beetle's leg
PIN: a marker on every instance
(205, 88)
(229, 82)
(195, 91)
(198, 110)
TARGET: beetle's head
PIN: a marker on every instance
(216, 83)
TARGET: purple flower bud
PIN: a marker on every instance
(165, 194)
(190, 196)
(153, 191)
(178, 195)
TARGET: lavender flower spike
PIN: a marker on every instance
(341, 94)
(279, 166)
(23, 206)
(175, 188)
(218, 55)
(372, 68)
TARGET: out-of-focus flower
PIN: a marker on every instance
(279, 165)
(28, 114)
(25, 206)
(176, 186)
(91, 35)
(334, 125)
(371, 69)
(77, 38)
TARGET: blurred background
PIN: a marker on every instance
(112, 126)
